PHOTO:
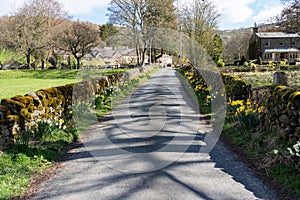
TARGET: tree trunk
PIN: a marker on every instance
(28, 60)
(160, 55)
(143, 57)
(78, 62)
(43, 63)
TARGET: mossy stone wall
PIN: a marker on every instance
(18, 112)
(281, 111)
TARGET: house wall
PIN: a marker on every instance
(258, 45)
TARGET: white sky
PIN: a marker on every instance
(234, 13)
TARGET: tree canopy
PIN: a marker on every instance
(289, 19)
(32, 27)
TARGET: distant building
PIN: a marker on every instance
(274, 46)
(165, 60)
(113, 55)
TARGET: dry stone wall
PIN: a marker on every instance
(281, 111)
(19, 112)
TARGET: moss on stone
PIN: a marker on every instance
(294, 99)
(17, 104)
(4, 110)
(13, 118)
(25, 113)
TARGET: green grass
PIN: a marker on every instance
(21, 82)
(22, 86)
(258, 79)
(21, 162)
(258, 148)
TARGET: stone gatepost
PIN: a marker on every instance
(280, 78)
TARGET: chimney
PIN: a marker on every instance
(255, 28)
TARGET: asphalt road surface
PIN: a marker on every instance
(150, 148)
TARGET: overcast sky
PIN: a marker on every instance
(234, 13)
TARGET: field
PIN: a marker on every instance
(258, 79)
(14, 82)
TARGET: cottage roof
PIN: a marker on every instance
(277, 35)
(111, 52)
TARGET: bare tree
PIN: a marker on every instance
(31, 28)
(237, 46)
(289, 19)
(139, 16)
(78, 38)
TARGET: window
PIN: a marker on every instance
(267, 44)
(268, 56)
(295, 55)
(281, 44)
(293, 44)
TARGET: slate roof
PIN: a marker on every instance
(277, 35)
(110, 52)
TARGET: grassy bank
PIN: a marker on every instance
(268, 155)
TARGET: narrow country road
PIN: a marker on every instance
(150, 148)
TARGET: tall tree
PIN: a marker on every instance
(139, 16)
(289, 19)
(107, 30)
(31, 28)
(237, 46)
(199, 20)
(78, 38)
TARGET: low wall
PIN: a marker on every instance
(236, 88)
(19, 113)
(281, 104)
(281, 111)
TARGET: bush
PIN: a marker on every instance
(260, 61)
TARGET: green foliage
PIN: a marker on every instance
(23, 161)
(221, 63)
(6, 56)
(245, 113)
(107, 31)
(268, 154)
(216, 48)
(201, 90)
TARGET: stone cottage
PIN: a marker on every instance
(274, 46)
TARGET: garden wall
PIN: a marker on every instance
(281, 111)
(19, 113)
(281, 104)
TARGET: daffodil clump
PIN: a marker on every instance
(201, 89)
(295, 150)
(245, 113)
(104, 97)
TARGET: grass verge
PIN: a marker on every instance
(269, 157)
(22, 161)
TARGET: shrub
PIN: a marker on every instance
(260, 61)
